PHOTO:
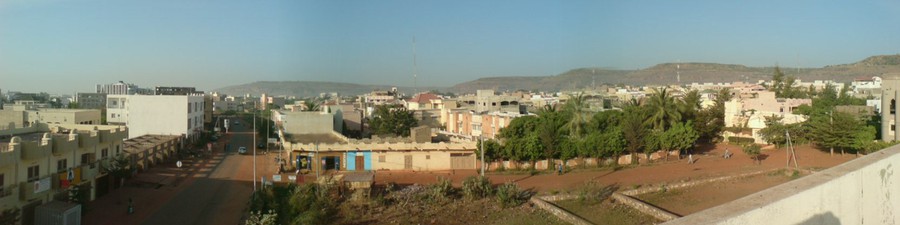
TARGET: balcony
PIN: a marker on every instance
(8, 157)
(6, 195)
(33, 189)
(34, 151)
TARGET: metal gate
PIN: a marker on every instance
(407, 162)
(461, 161)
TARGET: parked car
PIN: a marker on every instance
(242, 150)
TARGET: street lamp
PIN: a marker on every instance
(254, 150)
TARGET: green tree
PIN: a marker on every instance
(311, 106)
(491, 148)
(633, 128)
(392, 120)
(576, 107)
(10, 216)
(663, 110)
(753, 150)
(680, 136)
(689, 106)
(777, 81)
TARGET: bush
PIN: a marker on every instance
(441, 190)
(594, 192)
(509, 194)
(740, 140)
(477, 187)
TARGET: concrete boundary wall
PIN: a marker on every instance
(662, 187)
(559, 212)
(861, 191)
(644, 207)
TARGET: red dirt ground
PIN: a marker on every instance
(709, 163)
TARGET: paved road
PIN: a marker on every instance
(220, 191)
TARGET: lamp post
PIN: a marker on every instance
(254, 150)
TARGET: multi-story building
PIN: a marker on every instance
(177, 91)
(91, 100)
(382, 97)
(23, 117)
(468, 124)
(120, 88)
(890, 92)
(751, 113)
(41, 163)
(157, 114)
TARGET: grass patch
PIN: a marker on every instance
(606, 212)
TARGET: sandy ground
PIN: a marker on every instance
(709, 163)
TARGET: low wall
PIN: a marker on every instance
(559, 212)
(644, 207)
(862, 191)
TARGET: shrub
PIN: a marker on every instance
(740, 140)
(441, 190)
(509, 194)
(476, 187)
(593, 192)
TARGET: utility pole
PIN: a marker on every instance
(254, 150)
(831, 122)
(482, 156)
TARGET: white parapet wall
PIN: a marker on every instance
(862, 191)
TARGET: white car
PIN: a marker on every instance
(242, 150)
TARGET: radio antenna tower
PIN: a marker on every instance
(415, 68)
(678, 72)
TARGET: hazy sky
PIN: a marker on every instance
(62, 46)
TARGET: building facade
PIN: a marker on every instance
(890, 93)
(41, 163)
(157, 114)
(91, 100)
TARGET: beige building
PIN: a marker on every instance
(21, 117)
(469, 124)
(751, 113)
(39, 163)
(890, 92)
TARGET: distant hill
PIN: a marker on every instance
(664, 73)
(690, 72)
(308, 88)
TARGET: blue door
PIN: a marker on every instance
(351, 161)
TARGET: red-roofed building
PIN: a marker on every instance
(423, 101)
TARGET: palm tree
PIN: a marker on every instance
(311, 105)
(580, 116)
(689, 105)
(663, 110)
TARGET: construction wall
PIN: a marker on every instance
(862, 191)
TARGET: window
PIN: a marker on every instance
(189, 107)
(104, 153)
(189, 123)
(381, 159)
(118, 149)
(427, 156)
(61, 165)
(88, 159)
(34, 173)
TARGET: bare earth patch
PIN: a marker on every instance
(694, 199)
(606, 212)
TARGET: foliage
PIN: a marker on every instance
(392, 120)
(510, 195)
(311, 106)
(594, 192)
(10, 216)
(753, 150)
(663, 110)
(680, 136)
(442, 190)
(740, 140)
(492, 150)
(118, 166)
(477, 187)
(576, 107)
(304, 204)
(633, 129)
(260, 218)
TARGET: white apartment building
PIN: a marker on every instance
(156, 114)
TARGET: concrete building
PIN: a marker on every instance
(890, 93)
(23, 117)
(751, 113)
(318, 122)
(121, 88)
(382, 97)
(471, 125)
(40, 163)
(157, 114)
(177, 91)
(91, 100)
(423, 101)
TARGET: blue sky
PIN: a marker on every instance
(61, 46)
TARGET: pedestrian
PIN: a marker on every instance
(559, 169)
(130, 206)
(691, 159)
